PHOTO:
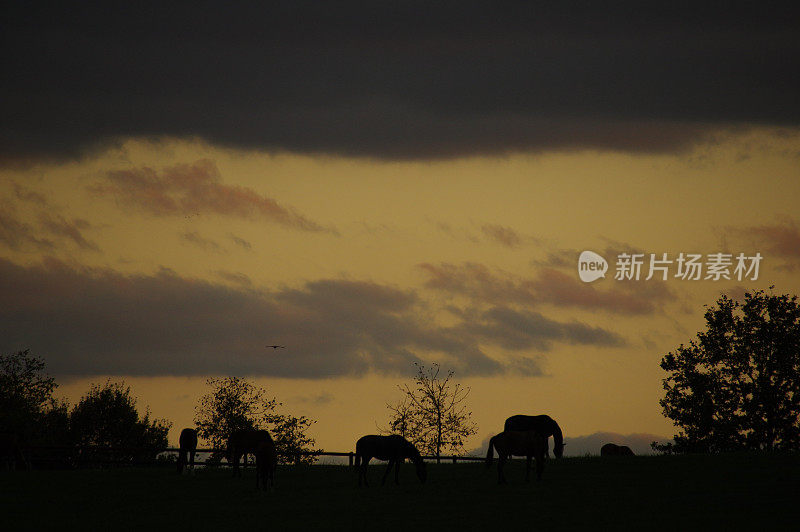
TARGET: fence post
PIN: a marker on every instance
(350, 458)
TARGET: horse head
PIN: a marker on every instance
(558, 449)
(422, 470)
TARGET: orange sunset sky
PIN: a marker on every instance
(372, 187)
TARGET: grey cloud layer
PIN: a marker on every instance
(394, 80)
(101, 322)
(549, 285)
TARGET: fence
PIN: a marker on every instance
(350, 456)
(97, 455)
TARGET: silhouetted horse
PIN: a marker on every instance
(266, 463)
(393, 448)
(188, 445)
(544, 425)
(611, 449)
(11, 452)
(242, 442)
(527, 443)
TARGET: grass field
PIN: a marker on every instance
(726, 492)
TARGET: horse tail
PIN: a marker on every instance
(490, 453)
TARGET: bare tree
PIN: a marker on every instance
(432, 413)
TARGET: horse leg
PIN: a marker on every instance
(501, 461)
(386, 473)
(539, 466)
(397, 471)
(191, 462)
(362, 470)
(236, 457)
(528, 468)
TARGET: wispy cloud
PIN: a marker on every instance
(503, 235)
(779, 240)
(70, 229)
(241, 242)
(524, 330)
(18, 235)
(546, 285)
(25, 194)
(197, 188)
(234, 277)
(206, 244)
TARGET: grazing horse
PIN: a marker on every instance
(544, 425)
(266, 463)
(242, 442)
(611, 449)
(188, 445)
(527, 443)
(393, 448)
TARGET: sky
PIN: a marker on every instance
(374, 185)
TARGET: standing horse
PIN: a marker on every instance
(612, 449)
(242, 442)
(527, 443)
(266, 463)
(11, 452)
(393, 448)
(188, 445)
(544, 425)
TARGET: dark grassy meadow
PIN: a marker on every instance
(725, 492)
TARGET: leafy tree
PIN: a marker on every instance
(291, 439)
(738, 385)
(236, 404)
(432, 414)
(26, 394)
(107, 416)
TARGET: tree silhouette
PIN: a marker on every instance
(24, 391)
(738, 385)
(107, 417)
(27, 407)
(237, 404)
(432, 414)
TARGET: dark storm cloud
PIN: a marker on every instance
(394, 80)
(97, 321)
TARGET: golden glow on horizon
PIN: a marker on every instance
(391, 217)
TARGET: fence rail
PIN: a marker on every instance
(106, 455)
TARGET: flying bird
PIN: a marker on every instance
(277, 346)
